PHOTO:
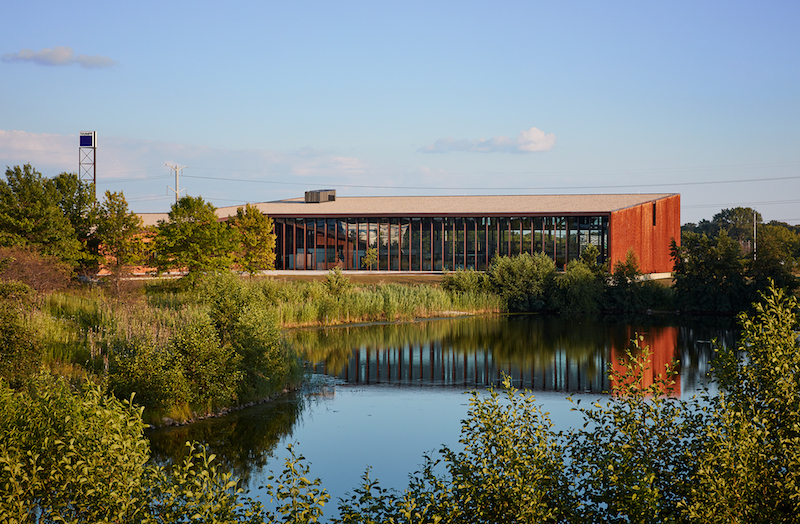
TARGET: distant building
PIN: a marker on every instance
(432, 233)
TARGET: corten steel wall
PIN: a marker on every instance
(632, 228)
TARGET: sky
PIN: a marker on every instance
(264, 100)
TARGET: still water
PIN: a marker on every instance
(384, 395)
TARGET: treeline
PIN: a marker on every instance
(641, 456)
(719, 268)
(724, 264)
(60, 219)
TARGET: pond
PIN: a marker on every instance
(384, 395)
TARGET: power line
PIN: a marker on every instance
(495, 188)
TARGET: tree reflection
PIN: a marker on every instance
(243, 441)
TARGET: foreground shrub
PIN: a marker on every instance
(69, 457)
(82, 457)
(750, 470)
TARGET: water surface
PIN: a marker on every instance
(387, 394)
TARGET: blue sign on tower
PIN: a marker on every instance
(87, 139)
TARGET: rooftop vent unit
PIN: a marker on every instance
(320, 195)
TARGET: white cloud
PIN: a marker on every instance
(527, 141)
(59, 56)
(38, 149)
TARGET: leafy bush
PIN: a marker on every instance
(750, 469)
(465, 281)
(153, 374)
(578, 290)
(628, 292)
(524, 281)
(212, 371)
(20, 349)
(69, 457)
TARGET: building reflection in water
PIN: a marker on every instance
(538, 353)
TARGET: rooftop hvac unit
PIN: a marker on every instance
(320, 195)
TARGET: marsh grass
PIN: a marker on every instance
(376, 303)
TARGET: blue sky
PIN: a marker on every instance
(264, 100)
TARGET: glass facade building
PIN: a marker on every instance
(432, 243)
(435, 233)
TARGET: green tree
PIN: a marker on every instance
(120, 234)
(76, 199)
(370, 258)
(30, 216)
(709, 274)
(193, 239)
(738, 223)
(776, 251)
(256, 238)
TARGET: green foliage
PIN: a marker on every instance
(30, 216)
(68, 457)
(119, 232)
(210, 369)
(628, 292)
(709, 274)
(579, 290)
(256, 240)
(82, 457)
(193, 240)
(337, 283)
(523, 281)
(248, 326)
(20, 351)
(590, 256)
(465, 281)
(634, 459)
(197, 490)
(510, 468)
(368, 504)
(720, 267)
(76, 199)
(370, 258)
(153, 374)
(750, 470)
(776, 258)
(300, 500)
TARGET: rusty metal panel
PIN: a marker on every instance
(647, 229)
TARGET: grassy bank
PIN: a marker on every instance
(185, 352)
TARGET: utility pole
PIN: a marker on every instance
(177, 170)
(754, 235)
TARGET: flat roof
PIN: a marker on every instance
(421, 206)
(494, 205)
